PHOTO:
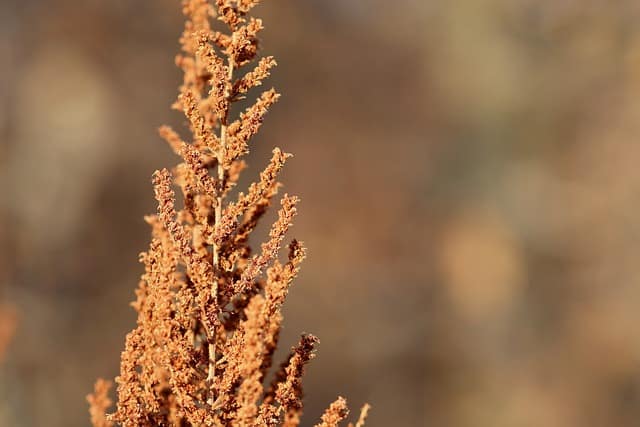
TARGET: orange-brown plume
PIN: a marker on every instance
(209, 310)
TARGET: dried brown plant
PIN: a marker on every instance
(209, 310)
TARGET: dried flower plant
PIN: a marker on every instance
(209, 310)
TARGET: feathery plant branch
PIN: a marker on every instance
(209, 310)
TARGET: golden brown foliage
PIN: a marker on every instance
(335, 413)
(99, 402)
(208, 321)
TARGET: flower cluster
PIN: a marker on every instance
(209, 309)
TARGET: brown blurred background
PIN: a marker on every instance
(470, 184)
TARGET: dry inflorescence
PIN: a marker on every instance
(209, 310)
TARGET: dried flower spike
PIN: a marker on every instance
(209, 311)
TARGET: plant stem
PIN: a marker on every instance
(216, 254)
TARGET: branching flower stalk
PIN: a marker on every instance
(218, 217)
(209, 309)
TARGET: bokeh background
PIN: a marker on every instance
(470, 179)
